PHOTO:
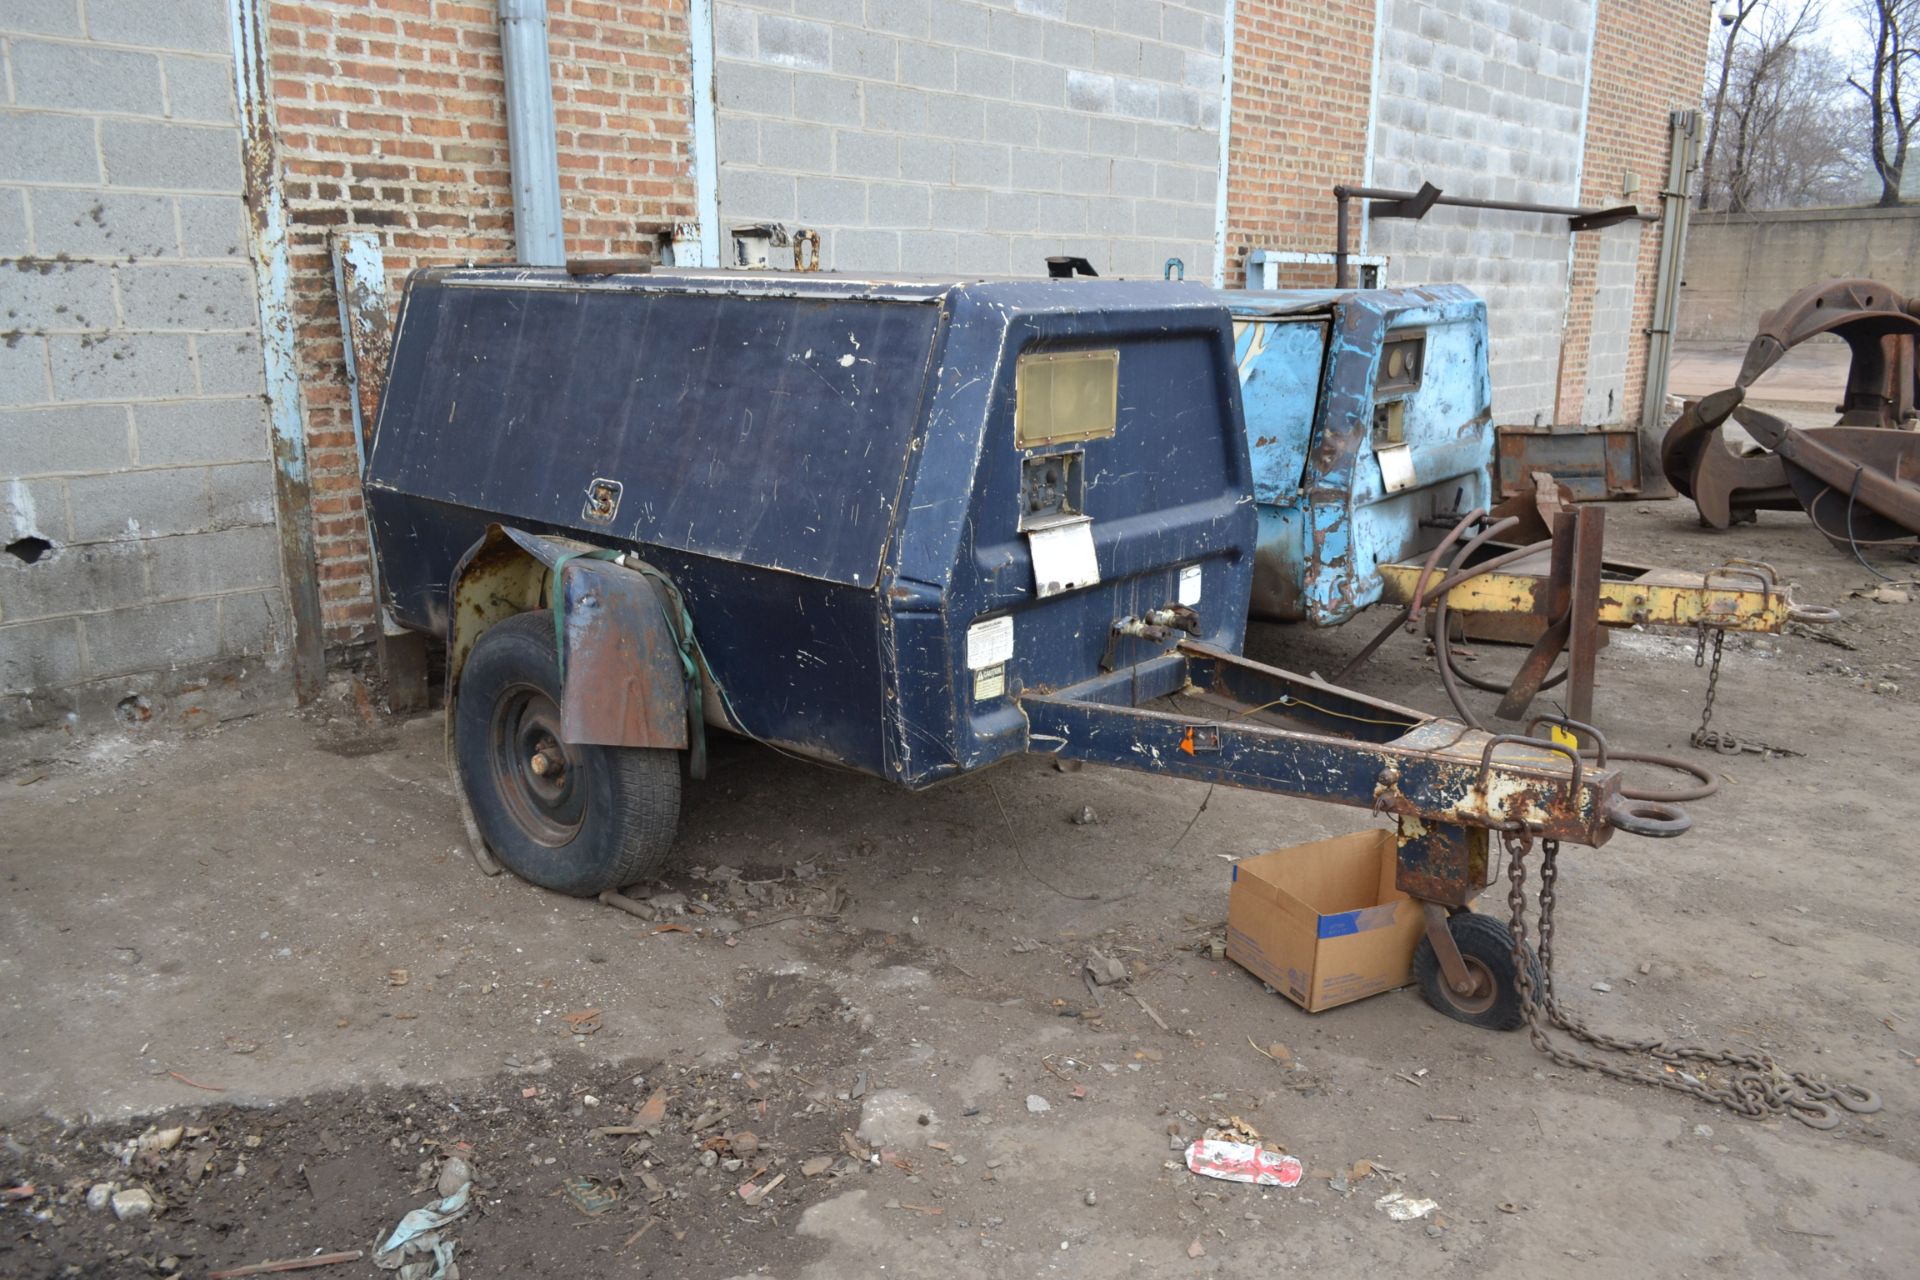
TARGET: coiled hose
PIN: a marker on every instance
(1450, 679)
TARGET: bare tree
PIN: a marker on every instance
(1732, 19)
(1792, 133)
(1777, 131)
(1893, 27)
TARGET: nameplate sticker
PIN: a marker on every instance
(989, 643)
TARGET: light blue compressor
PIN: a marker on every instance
(1370, 428)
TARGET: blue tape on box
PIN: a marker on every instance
(1343, 923)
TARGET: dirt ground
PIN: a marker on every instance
(282, 910)
(1812, 373)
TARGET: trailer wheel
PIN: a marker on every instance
(571, 818)
(1486, 944)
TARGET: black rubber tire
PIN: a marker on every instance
(1486, 944)
(620, 806)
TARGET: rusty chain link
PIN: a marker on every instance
(1755, 1085)
(1713, 676)
(1720, 740)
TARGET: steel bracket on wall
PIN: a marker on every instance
(1601, 219)
(1414, 205)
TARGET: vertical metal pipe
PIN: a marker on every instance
(1684, 154)
(1226, 139)
(706, 163)
(1373, 113)
(267, 243)
(1340, 238)
(531, 150)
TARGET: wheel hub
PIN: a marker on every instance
(1484, 990)
(544, 794)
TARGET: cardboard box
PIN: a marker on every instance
(1323, 922)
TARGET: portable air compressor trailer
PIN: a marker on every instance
(908, 528)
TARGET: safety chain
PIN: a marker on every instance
(1719, 739)
(1755, 1086)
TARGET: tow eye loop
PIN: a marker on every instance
(1648, 817)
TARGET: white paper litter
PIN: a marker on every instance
(1404, 1208)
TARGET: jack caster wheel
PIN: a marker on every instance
(572, 818)
(1486, 945)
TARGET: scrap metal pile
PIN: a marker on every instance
(1858, 480)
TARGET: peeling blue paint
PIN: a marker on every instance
(1309, 363)
(267, 242)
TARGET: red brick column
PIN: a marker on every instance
(391, 116)
(1302, 90)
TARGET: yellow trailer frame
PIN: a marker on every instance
(1742, 596)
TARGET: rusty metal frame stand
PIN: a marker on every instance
(1583, 603)
(1444, 868)
(1532, 675)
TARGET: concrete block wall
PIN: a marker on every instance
(1742, 265)
(975, 135)
(1610, 308)
(141, 568)
(1487, 98)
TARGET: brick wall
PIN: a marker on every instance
(1647, 62)
(135, 495)
(957, 135)
(392, 116)
(1302, 88)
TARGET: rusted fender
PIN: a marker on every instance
(625, 682)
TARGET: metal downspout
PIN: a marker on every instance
(267, 245)
(1226, 151)
(1684, 130)
(531, 150)
(1373, 111)
(706, 162)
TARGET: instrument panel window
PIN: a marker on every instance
(1061, 396)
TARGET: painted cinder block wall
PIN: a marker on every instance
(959, 135)
(1488, 99)
(136, 498)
